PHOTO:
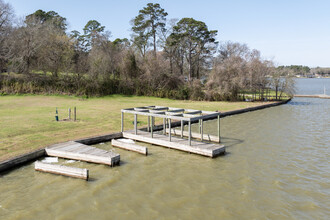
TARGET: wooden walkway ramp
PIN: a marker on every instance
(197, 147)
(77, 151)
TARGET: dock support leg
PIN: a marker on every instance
(164, 126)
(122, 122)
(135, 123)
(181, 128)
(201, 129)
(152, 127)
(219, 128)
(169, 128)
(148, 123)
(189, 133)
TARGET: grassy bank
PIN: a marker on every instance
(27, 122)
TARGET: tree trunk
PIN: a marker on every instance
(155, 54)
(189, 77)
(276, 89)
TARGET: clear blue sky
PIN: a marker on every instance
(287, 31)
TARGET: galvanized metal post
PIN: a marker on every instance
(152, 127)
(135, 123)
(181, 128)
(219, 128)
(164, 126)
(122, 121)
(148, 123)
(169, 128)
(201, 129)
(189, 133)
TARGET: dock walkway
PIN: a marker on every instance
(197, 147)
(78, 151)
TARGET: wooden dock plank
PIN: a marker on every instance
(73, 147)
(77, 151)
(61, 145)
(129, 146)
(62, 170)
(197, 147)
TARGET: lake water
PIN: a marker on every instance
(276, 167)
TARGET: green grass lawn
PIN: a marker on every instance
(28, 122)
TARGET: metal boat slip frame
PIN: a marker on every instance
(168, 114)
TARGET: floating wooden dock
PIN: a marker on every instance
(62, 170)
(78, 151)
(129, 146)
(196, 147)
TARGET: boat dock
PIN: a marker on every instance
(78, 151)
(166, 138)
(196, 147)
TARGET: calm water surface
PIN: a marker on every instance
(277, 167)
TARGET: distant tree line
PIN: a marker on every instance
(295, 70)
(173, 58)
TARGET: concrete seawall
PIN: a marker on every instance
(25, 158)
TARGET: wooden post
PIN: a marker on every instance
(135, 123)
(169, 128)
(148, 123)
(75, 114)
(201, 129)
(152, 128)
(199, 125)
(69, 113)
(164, 126)
(122, 121)
(181, 128)
(189, 133)
(219, 128)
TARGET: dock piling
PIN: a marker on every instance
(189, 131)
(135, 123)
(201, 129)
(152, 127)
(181, 128)
(219, 128)
(122, 121)
(169, 127)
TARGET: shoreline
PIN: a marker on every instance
(321, 96)
(20, 160)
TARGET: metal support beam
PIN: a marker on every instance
(122, 122)
(219, 128)
(169, 127)
(181, 128)
(189, 133)
(135, 123)
(152, 127)
(201, 129)
(164, 126)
